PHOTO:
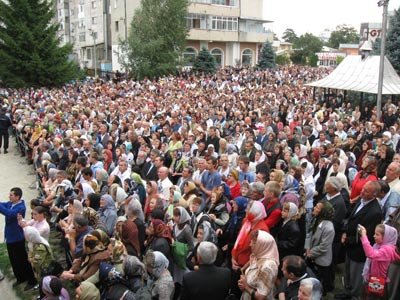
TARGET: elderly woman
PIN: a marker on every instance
(102, 180)
(51, 288)
(108, 213)
(319, 241)
(310, 289)
(259, 278)
(157, 266)
(367, 173)
(87, 291)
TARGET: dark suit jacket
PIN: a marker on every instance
(287, 239)
(208, 283)
(340, 214)
(369, 216)
(149, 176)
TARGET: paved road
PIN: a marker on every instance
(13, 172)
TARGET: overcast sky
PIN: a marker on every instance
(316, 15)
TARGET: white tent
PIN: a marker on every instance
(357, 74)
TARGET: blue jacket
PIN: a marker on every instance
(12, 231)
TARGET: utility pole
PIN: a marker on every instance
(385, 4)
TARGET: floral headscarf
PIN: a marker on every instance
(157, 262)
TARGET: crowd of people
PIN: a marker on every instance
(239, 185)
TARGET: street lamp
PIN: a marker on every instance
(385, 4)
(93, 34)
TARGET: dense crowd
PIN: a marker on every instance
(239, 185)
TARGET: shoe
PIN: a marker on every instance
(342, 296)
(5, 151)
(29, 286)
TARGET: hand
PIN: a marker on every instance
(235, 265)
(242, 283)
(219, 232)
(344, 238)
(72, 233)
(224, 248)
(213, 217)
(362, 231)
(308, 253)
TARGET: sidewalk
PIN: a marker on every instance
(14, 172)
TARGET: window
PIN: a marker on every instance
(72, 12)
(224, 23)
(116, 26)
(60, 13)
(82, 37)
(93, 4)
(89, 53)
(196, 21)
(247, 57)
(218, 56)
(189, 56)
(115, 3)
(94, 20)
(81, 24)
(81, 8)
(225, 2)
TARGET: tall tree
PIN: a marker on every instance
(376, 47)
(305, 48)
(157, 38)
(204, 62)
(30, 52)
(289, 36)
(343, 34)
(393, 41)
(267, 57)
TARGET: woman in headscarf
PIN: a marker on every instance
(157, 266)
(259, 279)
(108, 159)
(134, 271)
(309, 186)
(234, 184)
(385, 155)
(367, 173)
(217, 210)
(102, 179)
(253, 221)
(182, 233)
(52, 289)
(365, 149)
(159, 238)
(232, 155)
(290, 190)
(152, 192)
(382, 253)
(94, 253)
(74, 208)
(319, 241)
(177, 165)
(87, 291)
(40, 254)
(107, 213)
(134, 213)
(90, 210)
(84, 190)
(130, 238)
(135, 185)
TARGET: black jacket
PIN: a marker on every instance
(340, 213)
(287, 239)
(5, 122)
(369, 216)
(209, 282)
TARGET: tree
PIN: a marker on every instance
(376, 47)
(282, 60)
(289, 36)
(305, 48)
(204, 62)
(157, 38)
(267, 57)
(393, 41)
(343, 34)
(30, 52)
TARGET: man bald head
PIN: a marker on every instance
(392, 171)
(162, 173)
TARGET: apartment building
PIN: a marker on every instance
(232, 30)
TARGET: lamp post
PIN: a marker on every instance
(93, 34)
(385, 4)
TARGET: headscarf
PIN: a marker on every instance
(130, 235)
(389, 239)
(108, 161)
(118, 251)
(109, 206)
(303, 151)
(132, 266)
(102, 237)
(53, 173)
(89, 291)
(309, 170)
(137, 178)
(78, 207)
(52, 287)
(264, 248)
(293, 211)
(86, 189)
(120, 195)
(327, 212)
(290, 185)
(237, 217)
(209, 234)
(101, 175)
(231, 148)
(32, 235)
(157, 262)
(256, 212)
(92, 244)
(183, 215)
(161, 230)
(190, 186)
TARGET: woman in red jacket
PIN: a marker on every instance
(367, 173)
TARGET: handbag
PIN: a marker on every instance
(376, 286)
(179, 253)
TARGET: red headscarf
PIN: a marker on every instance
(161, 230)
(130, 235)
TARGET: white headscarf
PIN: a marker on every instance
(33, 236)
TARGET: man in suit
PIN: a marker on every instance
(15, 239)
(187, 174)
(209, 281)
(103, 136)
(149, 169)
(262, 137)
(388, 199)
(367, 213)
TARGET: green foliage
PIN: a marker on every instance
(305, 48)
(339, 59)
(343, 34)
(393, 41)
(312, 60)
(289, 36)
(30, 52)
(376, 47)
(157, 38)
(282, 60)
(204, 62)
(267, 57)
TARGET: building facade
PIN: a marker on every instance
(232, 30)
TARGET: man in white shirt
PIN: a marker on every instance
(392, 176)
(123, 171)
(163, 182)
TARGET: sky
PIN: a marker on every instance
(314, 16)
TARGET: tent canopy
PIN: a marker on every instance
(357, 74)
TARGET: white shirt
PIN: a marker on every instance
(122, 176)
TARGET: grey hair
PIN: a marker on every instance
(257, 187)
(207, 252)
(134, 208)
(316, 287)
(335, 183)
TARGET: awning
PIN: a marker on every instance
(355, 74)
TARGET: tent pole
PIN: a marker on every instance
(385, 4)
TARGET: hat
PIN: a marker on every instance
(388, 134)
